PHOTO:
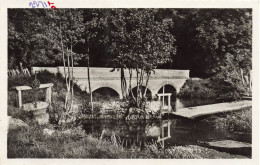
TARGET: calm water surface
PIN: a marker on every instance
(165, 133)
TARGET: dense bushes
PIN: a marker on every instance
(58, 92)
(86, 108)
(209, 88)
(19, 114)
(197, 89)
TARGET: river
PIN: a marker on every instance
(165, 133)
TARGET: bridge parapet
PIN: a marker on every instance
(105, 77)
(107, 73)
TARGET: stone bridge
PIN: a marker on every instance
(104, 77)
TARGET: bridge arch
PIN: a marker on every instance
(108, 85)
(164, 83)
(168, 88)
(148, 93)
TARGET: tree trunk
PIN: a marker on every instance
(137, 89)
(89, 84)
(130, 82)
(123, 83)
(64, 68)
(72, 67)
(68, 70)
(141, 83)
(146, 84)
(68, 82)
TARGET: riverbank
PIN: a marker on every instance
(34, 142)
(237, 121)
(54, 141)
(62, 141)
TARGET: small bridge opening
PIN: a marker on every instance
(168, 89)
(105, 93)
(148, 92)
(170, 96)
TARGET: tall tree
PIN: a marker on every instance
(227, 37)
(90, 34)
(118, 39)
(28, 39)
(140, 43)
(67, 27)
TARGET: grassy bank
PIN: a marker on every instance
(74, 143)
(32, 143)
(238, 121)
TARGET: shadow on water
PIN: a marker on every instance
(165, 133)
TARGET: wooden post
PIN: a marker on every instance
(169, 102)
(163, 96)
(20, 103)
(162, 132)
(169, 129)
(48, 94)
(162, 136)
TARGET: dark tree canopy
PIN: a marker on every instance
(205, 40)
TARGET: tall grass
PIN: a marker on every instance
(32, 143)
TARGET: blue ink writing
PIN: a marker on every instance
(40, 4)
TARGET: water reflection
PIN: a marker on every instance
(165, 133)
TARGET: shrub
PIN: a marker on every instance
(197, 89)
(58, 92)
(210, 88)
(86, 108)
(20, 114)
(19, 80)
(226, 90)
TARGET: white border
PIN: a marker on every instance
(254, 4)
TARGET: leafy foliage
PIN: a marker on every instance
(28, 39)
(198, 89)
(223, 35)
(210, 42)
(139, 43)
